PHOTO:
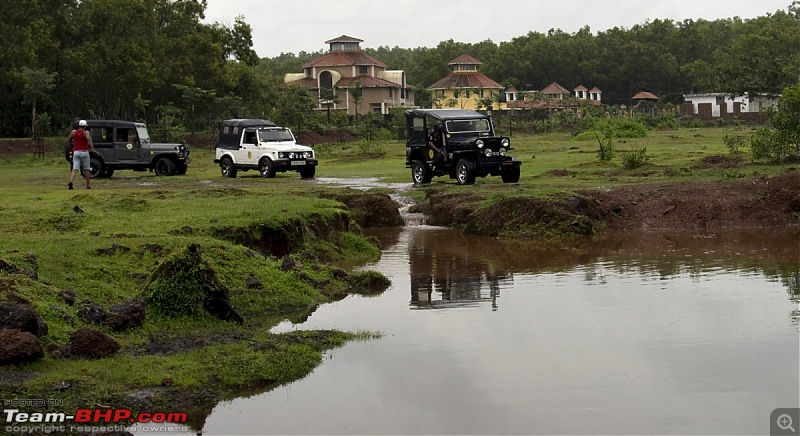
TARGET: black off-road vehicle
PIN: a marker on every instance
(125, 145)
(469, 147)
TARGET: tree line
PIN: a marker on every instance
(157, 61)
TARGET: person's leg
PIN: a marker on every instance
(87, 174)
(76, 166)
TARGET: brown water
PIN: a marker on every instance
(651, 333)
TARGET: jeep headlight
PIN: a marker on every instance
(504, 142)
(502, 151)
(308, 155)
(488, 152)
(479, 143)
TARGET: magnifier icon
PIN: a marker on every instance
(785, 422)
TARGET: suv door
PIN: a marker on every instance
(248, 148)
(126, 144)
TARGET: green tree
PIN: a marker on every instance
(37, 86)
(781, 137)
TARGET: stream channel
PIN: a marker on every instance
(663, 332)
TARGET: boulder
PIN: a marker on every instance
(91, 312)
(92, 344)
(21, 317)
(18, 347)
(126, 315)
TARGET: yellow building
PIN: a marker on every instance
(465, 87)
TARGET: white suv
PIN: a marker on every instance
(250, 144)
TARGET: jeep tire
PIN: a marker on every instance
(510, 174)
(465, 172)
(165, 167)
(227, 167)
(266, 167)
(181, 168)
(96, 167)
(420, 173)
(308, 172)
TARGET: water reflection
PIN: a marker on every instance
(445, 275)
(449, 269)
(649, 333)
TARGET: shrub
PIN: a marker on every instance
(633, 159)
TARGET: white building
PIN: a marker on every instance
(719, 100)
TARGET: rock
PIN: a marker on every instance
(22, 318)
(126, 315)
(89, 343)
(91, 312)
(287, 263)
(18, 347)
(253, 282)
(68, 296)
(152, 248)
(58, 351)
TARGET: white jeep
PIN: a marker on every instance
(250, 144)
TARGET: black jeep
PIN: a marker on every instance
(468, 145)
(125, 145)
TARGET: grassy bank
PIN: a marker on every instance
(105, 245)
(269, 244)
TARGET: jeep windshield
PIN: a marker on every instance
(274, 135)
(144, 136)
(468, 126)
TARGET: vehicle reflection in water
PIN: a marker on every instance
(448, 275)
(645, 333)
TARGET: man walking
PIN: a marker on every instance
(81, 143)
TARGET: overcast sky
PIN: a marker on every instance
(305, 25)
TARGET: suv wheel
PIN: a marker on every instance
(227, 167)
(266, 168)
(107, 172)
(181, 169)
(510, 175)
(308, 172)
(96, 167)
(465, 172)
(165, 167)
(420, 173)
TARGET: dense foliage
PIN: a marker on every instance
(158, 61)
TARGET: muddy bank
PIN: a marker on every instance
(760, 202)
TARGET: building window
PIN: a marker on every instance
(391, 92)
(363, 69)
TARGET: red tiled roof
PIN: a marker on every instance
(344, 58)
(644, 95)
(466, 79)
(511, 89)
(343, 38)
(554, 88)
(581, 88)
(595, 89)
(464, 59)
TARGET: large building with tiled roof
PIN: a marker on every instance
(465, 87)
(345, 70)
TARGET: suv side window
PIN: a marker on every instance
(100, 134)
